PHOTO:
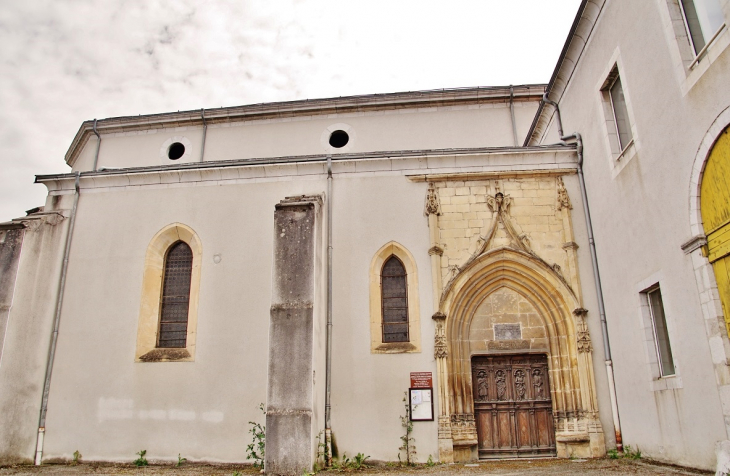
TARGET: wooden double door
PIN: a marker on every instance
(512, 406)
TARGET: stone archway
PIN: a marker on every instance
(696, 247)
(558, 330)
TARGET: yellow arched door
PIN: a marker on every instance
(715, 209)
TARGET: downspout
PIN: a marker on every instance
(328, 371)
(98, 145)
(512, 113)
(596, 274)
(56, 322)
(205, 132)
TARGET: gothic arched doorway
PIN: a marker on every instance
(510, 378)
(509, 313)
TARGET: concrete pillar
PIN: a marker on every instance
(293, 411)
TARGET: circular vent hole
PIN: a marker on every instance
(175, 151)
(339, 139)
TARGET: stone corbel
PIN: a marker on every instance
(436, 250)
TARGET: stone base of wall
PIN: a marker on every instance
(465, 454)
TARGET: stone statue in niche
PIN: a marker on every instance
(433, 203)
(582, 334)
(537, 383)
(501, 384)
(482, 385)
(563, 198)
(520, 384)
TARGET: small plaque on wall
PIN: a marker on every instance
(421, 404)
(507, 332)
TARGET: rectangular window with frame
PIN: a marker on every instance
(620, 112)
(703, 19)
(661, 336)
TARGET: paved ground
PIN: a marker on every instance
(503, 468)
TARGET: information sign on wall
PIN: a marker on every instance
(421, 380)
(420, 396)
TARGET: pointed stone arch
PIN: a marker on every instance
(572, 386)
(377, 346)
(150, 302)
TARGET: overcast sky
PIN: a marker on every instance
(63, 62)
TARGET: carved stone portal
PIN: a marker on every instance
(529, 286)
(508, 287)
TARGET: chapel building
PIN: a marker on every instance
(528, 271)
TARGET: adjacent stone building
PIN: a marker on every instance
(312, 255)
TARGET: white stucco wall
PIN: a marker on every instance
(641, 217)
(480, 125)
(109, 407)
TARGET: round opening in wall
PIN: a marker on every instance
(339, 139)
(175, 151)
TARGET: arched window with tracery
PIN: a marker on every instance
(394, 300)
(395, 321)
(175, 299)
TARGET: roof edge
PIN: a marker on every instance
(538, 122)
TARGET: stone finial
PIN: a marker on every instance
(499, 203)
(563, 198)
(433, 203)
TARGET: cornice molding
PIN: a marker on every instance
(413, 164)
(289, 109)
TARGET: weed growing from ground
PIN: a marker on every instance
(77, 457)
(408, 446)
(321, 454)
(141, 461)
(628, 453)
(180, 460)
(347, 464)
(359, 461)
(255, 450)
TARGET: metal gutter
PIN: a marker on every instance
(512, 114)
(98, 146)
(328, 372)
(56, 323)
(205, 132)
(599, 289)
